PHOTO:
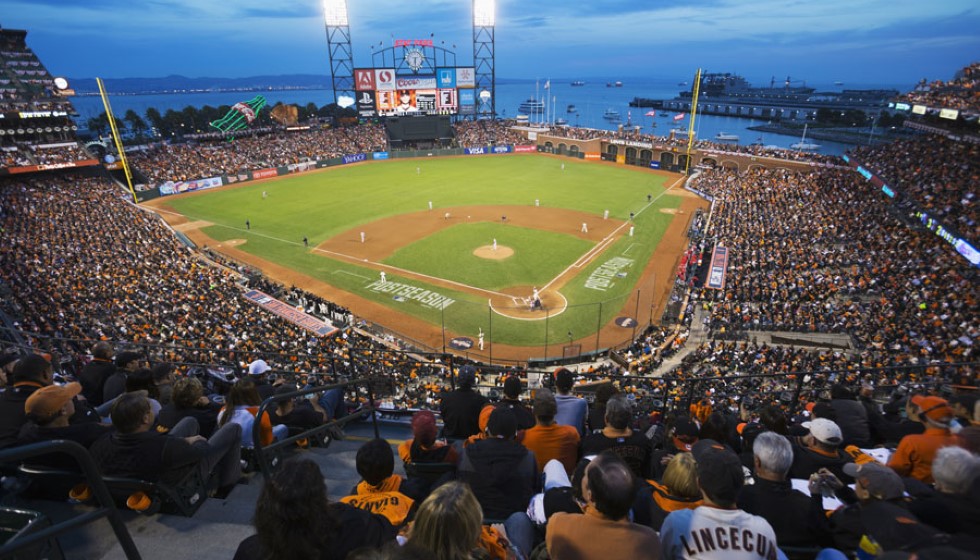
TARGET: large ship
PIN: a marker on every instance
(732, 95)
(532, 105)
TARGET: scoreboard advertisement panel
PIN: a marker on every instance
(382, 92)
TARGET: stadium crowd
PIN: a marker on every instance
(942, 181)
(962, 92)
(81, 262)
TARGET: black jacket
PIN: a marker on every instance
(806, 462)
(797, 519)
(461, 413)
(502, 474)
(93, 377)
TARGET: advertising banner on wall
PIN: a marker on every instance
(364, 80)
(446, 101)
(415, 82)
(525, 149)
(384, 78)
(366, 104)
(290, 313)
(719, 264)
(465, 78)
(446, 78)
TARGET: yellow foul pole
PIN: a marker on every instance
(694, 113)
(115, 137)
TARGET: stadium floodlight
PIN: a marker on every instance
(483, 13)
(335, 13)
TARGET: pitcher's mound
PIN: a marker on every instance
(487, 252)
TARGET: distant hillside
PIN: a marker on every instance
(183, 83)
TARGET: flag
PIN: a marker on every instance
(547, 85)
(680, 116)
(650, 113)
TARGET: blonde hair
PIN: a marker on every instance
(448, 523)
(681, 476)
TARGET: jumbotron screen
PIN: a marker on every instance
(381, 92)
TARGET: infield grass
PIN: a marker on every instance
(319, 205)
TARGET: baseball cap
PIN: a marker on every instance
(544, 403)
(824, 431)
(934, 408)
(47, 401)
(512, 386)
(719, 470)
(424, 427)
(503, 423)
(685, 433)
(258, 367)
(466, 377)
(880, 481)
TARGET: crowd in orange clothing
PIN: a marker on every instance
(962, 92)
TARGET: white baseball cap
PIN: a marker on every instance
(258, 367)
(825, 431)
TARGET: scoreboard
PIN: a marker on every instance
(383, 92)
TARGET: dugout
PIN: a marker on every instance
(419, 132)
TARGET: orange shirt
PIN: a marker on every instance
(915, 453)
(383, 499)
(556, 441)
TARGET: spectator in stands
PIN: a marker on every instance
(964, 408)
(134, 450)
(115, 385)
(572, 410)
(953, 508)
(461, 408)
(678, 490)
(511, 400)
(189, 401)
(48, 411)
(31, 373)
(294, 519)
(94, 375)
(915, 453)
(681, 438)
(501, 472)
(424, 447)
(257, 371)
(380, 490)
(852, 418)
(163, 381)
(597, 411)
(604, 529)
(448, 524)
(242, 407)
(7, 362)
(741, 535)
(298, 414)
(820, 449)
(879, 518)
(549, 440)
(794, 516)
(617, 435)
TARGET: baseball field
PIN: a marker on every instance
(439, 249)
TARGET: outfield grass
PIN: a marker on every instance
(319, 205)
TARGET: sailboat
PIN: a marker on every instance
(803, 144)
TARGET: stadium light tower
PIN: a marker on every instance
(484, 48)
(341, 55)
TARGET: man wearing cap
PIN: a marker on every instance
(915, 453)
(115, 384)
(572, 410)
(879, 520)
(32, 372)
(718, 529)
(501, 471)
(256, 372)
(461, 408)
(48, 410)
(603, 530)
(548, 439)
(511, 400)
(820, 449)
(680, 438)
(95, 373)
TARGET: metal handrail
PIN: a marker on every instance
(93, 478)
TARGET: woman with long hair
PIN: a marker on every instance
(294, 519)
(448, 524)
(241, 407)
